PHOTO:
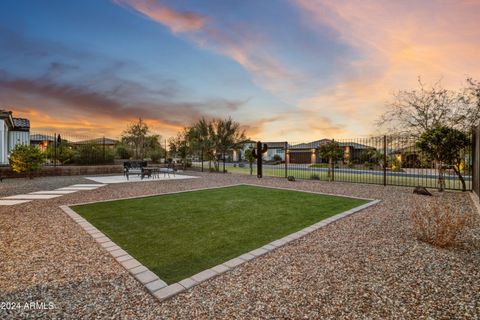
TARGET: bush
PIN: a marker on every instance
(63, 153)
(314, 177)
(122, 151)
(155, 155)
(440, 224)
(26, 159)
(277, 158)
(93, 154)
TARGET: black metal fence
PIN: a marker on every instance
(476, 161)
(385, 160)
(63, 149)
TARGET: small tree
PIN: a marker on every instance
(135, 136)
(446, 146)
(26, 159)
(333, 152)
(250, 158)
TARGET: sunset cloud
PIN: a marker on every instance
(247, 47)
(175, 20)
(395, 43)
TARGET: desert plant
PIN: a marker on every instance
(333, 152)
(250, 158)
(26, 159)
(440, 223)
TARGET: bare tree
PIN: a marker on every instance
(415, 111)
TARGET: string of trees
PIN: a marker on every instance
(207, 140)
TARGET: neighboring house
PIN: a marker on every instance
(309, 152)
(107, 142)
(41, 140)
(13, 131)
(274, 148)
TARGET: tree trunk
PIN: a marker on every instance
(462, 180)
(251, 168)
(441, 177)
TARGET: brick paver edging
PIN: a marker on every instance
(159, 288)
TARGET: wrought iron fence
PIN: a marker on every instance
(63, 149)
(476, 161)
(385, 160)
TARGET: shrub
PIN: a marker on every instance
(440, 224)
(93, 154)
(26, 159)
(277, 158)
(122, 151)
(314, 177)
(63, 153)
(155, 155)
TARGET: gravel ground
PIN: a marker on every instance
(9, 187)
(368, 265)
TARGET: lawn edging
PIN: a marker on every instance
(159, 288)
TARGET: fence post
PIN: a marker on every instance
(55, 146)
(384, 160)
(285, 154)
(223, 162)
(103, 149)
(333, 165)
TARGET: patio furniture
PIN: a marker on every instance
(134, 167)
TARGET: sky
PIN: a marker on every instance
(296, 70)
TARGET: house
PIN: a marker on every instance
(305, 153)
(274, 148)
(107, 142)
(42, 140)
(13, 131)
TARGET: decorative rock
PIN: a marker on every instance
(422, 191)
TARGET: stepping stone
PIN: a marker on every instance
(34, 196)
(78, 188)
(54, 192)
(12, 202)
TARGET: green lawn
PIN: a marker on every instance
(352, 176)
(179, 235)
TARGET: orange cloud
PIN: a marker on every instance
(175, 20)
(396, 42)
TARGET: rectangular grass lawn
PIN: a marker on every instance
(179, 235)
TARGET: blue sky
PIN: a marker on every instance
(296, 70)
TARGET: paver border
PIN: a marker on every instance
(159, 288)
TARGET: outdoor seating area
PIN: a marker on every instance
(143, 170)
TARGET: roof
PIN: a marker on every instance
(318, 143)
(107, 141)
(311, 145)
(21, 124)
(275, 145)
(41, 137)
(15, 124)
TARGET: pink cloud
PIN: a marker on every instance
(176, 21)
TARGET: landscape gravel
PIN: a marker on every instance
(368, 265)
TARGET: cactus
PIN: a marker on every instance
(257, 154)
